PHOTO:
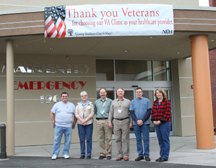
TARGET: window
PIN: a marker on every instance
(162, 71)
(133, 70)
(104, 70)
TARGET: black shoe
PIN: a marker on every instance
(139, 158)
(163, 160)
(88, 157)
(101, 157)
(157, 160)
(82, 157)
(147, 158)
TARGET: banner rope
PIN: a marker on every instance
(28, 42)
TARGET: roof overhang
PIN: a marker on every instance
(26, 29)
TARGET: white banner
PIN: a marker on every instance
(114, 20)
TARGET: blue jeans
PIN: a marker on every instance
(85, 131)
(144, 130)
(59, 131)
(163, 131)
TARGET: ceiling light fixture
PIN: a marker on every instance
(125, 51)
(151, 37)
(212, 40)
(51, 48)
(178, 53)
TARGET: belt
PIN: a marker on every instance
(101, 118)
(121, 118)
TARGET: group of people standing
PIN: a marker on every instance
(116, 116)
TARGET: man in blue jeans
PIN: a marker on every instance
(62, 118)
(140, 111)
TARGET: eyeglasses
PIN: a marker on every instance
(64, 96)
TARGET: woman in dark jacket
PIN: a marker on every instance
(161, 117)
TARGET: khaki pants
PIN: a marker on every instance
(104, 131)
(121, 131)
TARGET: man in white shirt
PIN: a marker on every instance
(62, 118)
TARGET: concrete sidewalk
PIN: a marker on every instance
(183, 151)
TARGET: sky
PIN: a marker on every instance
(203, 2)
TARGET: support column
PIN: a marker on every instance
(10, 129)
(202, 92)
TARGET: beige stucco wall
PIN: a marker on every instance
(26, 4)
(183, 97)
(32, 118)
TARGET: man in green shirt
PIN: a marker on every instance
(101, 109)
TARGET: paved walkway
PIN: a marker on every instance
(183, 151)
(44, 162)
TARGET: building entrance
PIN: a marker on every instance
(129, 74)
(148, 92)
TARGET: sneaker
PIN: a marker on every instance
(66, 156)
(88, 157)
(54, 157)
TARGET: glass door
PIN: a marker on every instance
(129, 93)
(110, 93)
(169, 97)
(149, 93)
